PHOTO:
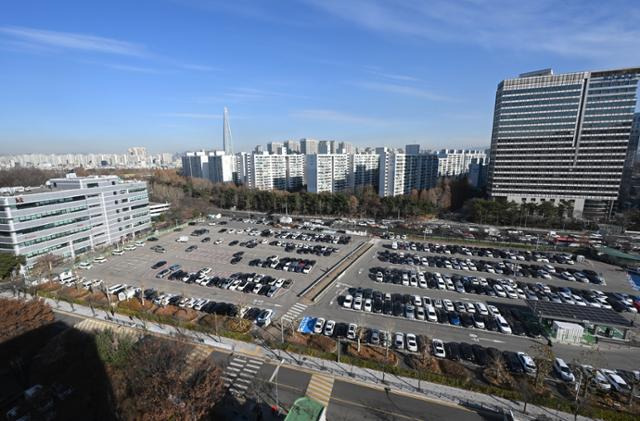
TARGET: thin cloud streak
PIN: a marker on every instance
(572, 29)
(335, 116)
(74, 41)
(404, 90)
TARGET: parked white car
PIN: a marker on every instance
(438, 348)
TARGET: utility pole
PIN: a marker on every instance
(275, 376)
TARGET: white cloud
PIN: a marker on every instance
(74, 41)
(404, 90)
(570, 28)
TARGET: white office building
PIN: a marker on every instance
(71, 215)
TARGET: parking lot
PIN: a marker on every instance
(215, 249)
(363, 276)
(243, 263)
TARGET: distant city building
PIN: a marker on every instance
(293, 146)
(412, 149)
(400, 173)
(258, 149)
(478, 173)
(327, 147)
(345, 147)
(563, 138)
(308, 146)
(276, 147)
(72, 215)
(453, 162)
(136, 157)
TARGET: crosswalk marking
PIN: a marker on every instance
(198, 355)
(239, 374)
(320, 388)
(294, 312)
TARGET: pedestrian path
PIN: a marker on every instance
(320, 388)
(198, 355)
(92, 325)
(294, 312)
(240, 373)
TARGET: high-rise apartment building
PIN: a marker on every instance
(327, 173)
(363, 170)
(215, 166)
(345, 147)
(563, 138)
(454, 162)
(71, 215)
(327, 147)
(293, 146)
(308, 146)
(275, 172)
(276, 147)
(400, 173)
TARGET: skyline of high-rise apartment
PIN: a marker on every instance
(563, 137)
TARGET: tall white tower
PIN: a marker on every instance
(227, 141)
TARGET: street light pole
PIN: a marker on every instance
(275, 376)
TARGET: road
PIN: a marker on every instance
(347, 400)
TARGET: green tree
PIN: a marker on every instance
(9, 263)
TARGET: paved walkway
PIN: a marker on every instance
(330, 368)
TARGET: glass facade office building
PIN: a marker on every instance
(563, 138)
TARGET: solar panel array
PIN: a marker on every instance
(567, 312)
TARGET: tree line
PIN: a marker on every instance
(503, 212)
(190, 196)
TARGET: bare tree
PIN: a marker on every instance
(543, 356)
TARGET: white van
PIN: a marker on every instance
(183, 239)
(67, 277)
(394, 245)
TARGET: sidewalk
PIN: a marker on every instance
(349, 373)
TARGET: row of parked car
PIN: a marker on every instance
(287, 264)
(506, 288)
(256, 283)
(506, 267)
(261, 317)
(477, 315)
(518, 363)
(302, 248)
(316, 237)
(521, 255)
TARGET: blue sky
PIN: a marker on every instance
(89, 76)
